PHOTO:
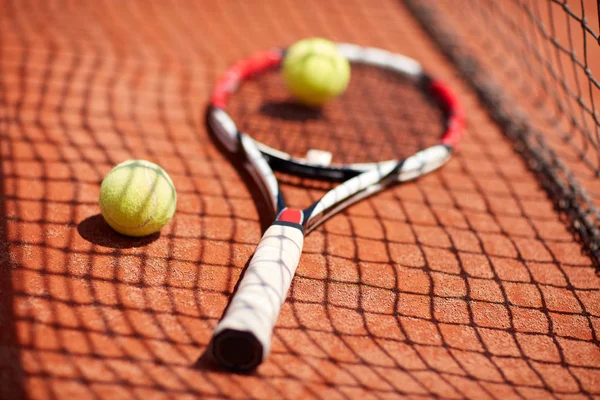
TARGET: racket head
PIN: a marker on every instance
(391, 111)
(393, 123)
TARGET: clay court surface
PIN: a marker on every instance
(464, 284)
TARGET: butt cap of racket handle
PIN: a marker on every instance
(237, 350)
(242, 339)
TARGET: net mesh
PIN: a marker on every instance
(464, 284)
(533, 64)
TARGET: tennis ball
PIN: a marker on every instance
(137, 198)
(315, 71)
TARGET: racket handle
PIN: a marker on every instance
(242, 339)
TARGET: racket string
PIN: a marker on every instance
(380, 117)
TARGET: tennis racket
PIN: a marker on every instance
(394, 124)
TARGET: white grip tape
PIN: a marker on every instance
(257, 301)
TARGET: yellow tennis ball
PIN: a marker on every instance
(137, 198)
(315, 71)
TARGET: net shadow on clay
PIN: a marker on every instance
(554, 122)
(11, 370)
(427, 289)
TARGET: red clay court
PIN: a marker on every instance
(477, 281)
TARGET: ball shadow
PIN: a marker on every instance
(95, 230)
(291, 111)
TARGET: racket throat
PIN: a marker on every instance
(291, 217)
